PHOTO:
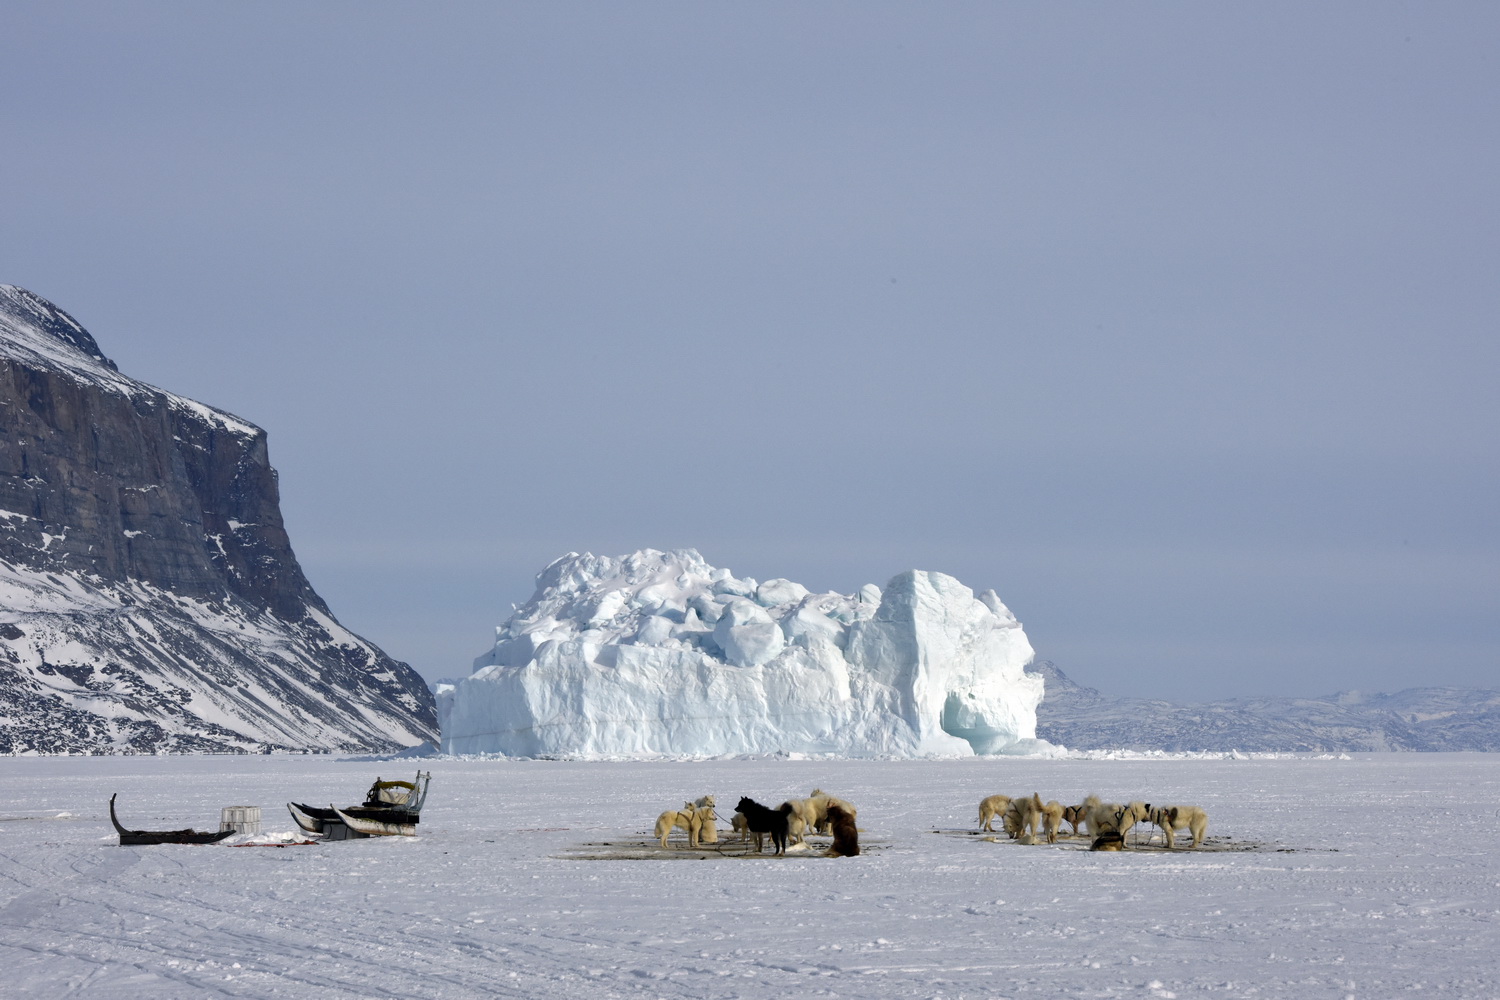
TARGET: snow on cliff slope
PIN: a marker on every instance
(39, 335)
(661, 653)
(150, 600)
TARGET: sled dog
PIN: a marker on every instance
(821, 800)
(686, 817)
(1104, 817)
(1109, 840)
(1024, 815)
(1172, 818)
(845, 833)
(990, 807)
(708, 823)
(742, 827)
(1086, 811)
(802, 818)
(1074, 816)
(1131, 814)
(1052, 817)
(763, 820)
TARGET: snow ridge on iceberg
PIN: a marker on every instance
(661, 653)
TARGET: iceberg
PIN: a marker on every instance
(660, 653)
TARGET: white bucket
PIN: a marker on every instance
(240, 819)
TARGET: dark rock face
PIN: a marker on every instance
(149, 597)
(1436, 719)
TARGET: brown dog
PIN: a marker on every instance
(1109, 840)
(1073, 816)
(845, 833)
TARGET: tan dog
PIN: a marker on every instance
(742, 827)
(990, 807)
(1171, 818)
(1112, 818)
(1073, 816)
(686, 817)
(1024, 817)
(1052, 818)
(1131, 814)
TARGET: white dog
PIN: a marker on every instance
(802, 818)
(1085, 811)
(1027, 819)
(989, 807)
(1023, 817)
(1111, 817)
(1103, 817)
(821, 800)
(1171, 818)
(741, 826)
(708, 821)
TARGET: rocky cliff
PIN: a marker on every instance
(149, 597)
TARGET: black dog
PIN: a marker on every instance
(763, 820)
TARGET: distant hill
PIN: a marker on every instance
(149, 597)
(1082, 718)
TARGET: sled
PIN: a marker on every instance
(129, 838)
(390, 809)
(380, 823)
(310, 819)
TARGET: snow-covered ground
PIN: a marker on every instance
(1377, 876)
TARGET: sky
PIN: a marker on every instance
(1174, 323)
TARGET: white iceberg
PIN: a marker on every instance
(661, 653)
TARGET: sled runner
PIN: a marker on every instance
(310, 818)
(380, 823)
(390, 809)
(141, 837)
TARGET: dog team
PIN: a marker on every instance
(789, 822)
(1027, 820)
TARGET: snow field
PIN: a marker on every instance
(1379, 878)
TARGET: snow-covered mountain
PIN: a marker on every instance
(661, 653)
(1081, 718)
(149, 597)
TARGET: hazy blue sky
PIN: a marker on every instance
(1174, 323)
